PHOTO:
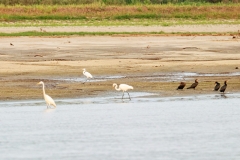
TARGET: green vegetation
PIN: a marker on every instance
(105, 22)
(57, 34)
(98, 13)
(107, 2)
(34, 33)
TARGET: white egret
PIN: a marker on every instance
(123, 87)
(50, 102)
(87, 74)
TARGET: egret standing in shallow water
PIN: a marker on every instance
(50, 102)
(87, 74)
(123, 87)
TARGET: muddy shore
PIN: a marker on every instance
(205, 28)
(149, 63)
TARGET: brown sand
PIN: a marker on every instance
(141, 59)
(218, 28)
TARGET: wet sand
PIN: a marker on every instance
(206, 28)
(149, 63)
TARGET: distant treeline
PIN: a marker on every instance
(108, 2)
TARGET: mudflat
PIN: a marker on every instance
(205, 28)
(149, 63)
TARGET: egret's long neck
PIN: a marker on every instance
(43, 90)
(116, 87)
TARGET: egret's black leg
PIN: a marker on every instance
(129, 96)
(85, 81)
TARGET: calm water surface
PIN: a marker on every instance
(179, 128)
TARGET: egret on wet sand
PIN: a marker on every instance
(49, 101)
(87, 74)
(123, 87)
(224, 87)
(216, 88)
(181, 86)
(194, 85)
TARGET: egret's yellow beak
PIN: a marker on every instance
(38, 83)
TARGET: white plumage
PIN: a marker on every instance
(87, 74)
(123, 87)
(49, 101)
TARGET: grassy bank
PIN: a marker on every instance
(102, 15)
(135, 22)
(61, 34)
(109, 2)
(99, 12)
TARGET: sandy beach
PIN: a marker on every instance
(205, 28)
(149, 63)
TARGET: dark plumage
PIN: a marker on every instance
(194, 85)
(11, 44)
(181, 86)
(224, 87)
(216, 88)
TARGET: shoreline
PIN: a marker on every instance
(134, 95)
(200, 28)
(143, 62)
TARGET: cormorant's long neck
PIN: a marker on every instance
(116, 87)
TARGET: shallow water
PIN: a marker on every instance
(94, 79)
(176, 76)
(189, 128)
(163, 77)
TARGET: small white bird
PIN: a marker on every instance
(50, 102)
(87, 74)
(123, 87)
